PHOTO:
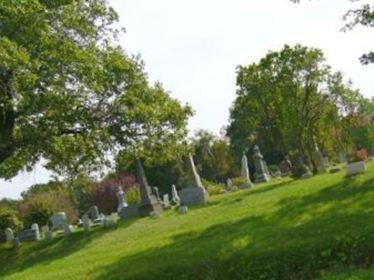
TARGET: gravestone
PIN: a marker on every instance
(174, 195)
(28, 235)
(47, 233)
(131, 211)
(149, 202)
(182, 210)
(319, 161)
(355, 168)
(68, 229)
(86, 222)
(166, 201)
(306, 173)
(262, 172)
(121, 197)
(37, 231)
(58, 220)
(194, 193)
(16, 242)
(229, 185)
(157, 193)
(9, 235)
(245, 173)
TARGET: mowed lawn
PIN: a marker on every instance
(320, 228)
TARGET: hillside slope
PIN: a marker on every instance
(321, 228)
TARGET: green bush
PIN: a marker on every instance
(8, 219)
(40, 207)
(239, 181)
(133, 196)
(213, 188)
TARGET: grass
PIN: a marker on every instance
(320, 228)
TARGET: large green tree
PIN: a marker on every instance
(287, 103)
(70, 94)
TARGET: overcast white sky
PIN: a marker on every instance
(193, 47)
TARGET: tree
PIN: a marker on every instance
(361, 16)
(287, 103)
(213, 157)
(70, 95)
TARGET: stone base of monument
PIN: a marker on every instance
(262, 178)
(128, 212)
(355, 168)
(192, 196)
(146, 209)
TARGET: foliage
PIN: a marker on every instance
(8, 219)
(133, 196)
(239, 181)
(81, 188)
(70, 95)
(104, 194)
(289, 102)
(10, 204)
(213, 188)
(213, 157)
(40, 207)
(161, 173)
(287, 229)
(52, 186)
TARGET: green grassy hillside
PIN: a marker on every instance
(321, 228)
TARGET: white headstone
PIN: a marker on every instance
(37, 231)
(174, 194)
(166, 199)
(86, 222)
(9, 235)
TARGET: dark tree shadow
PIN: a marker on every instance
(48, 251)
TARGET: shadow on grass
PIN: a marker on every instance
(47, 251)
(267, 247)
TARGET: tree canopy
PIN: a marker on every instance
(291, 101)
(70, 94)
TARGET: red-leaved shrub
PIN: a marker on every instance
(104, 193)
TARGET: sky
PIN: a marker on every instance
(194, 46)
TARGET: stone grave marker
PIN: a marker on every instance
(9, 235)
(194, 193)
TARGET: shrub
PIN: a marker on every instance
(239, 181)
(8, 219)
(213, 188)
(133, 196)
(82, 188)
(40, 207)
(104, 193)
